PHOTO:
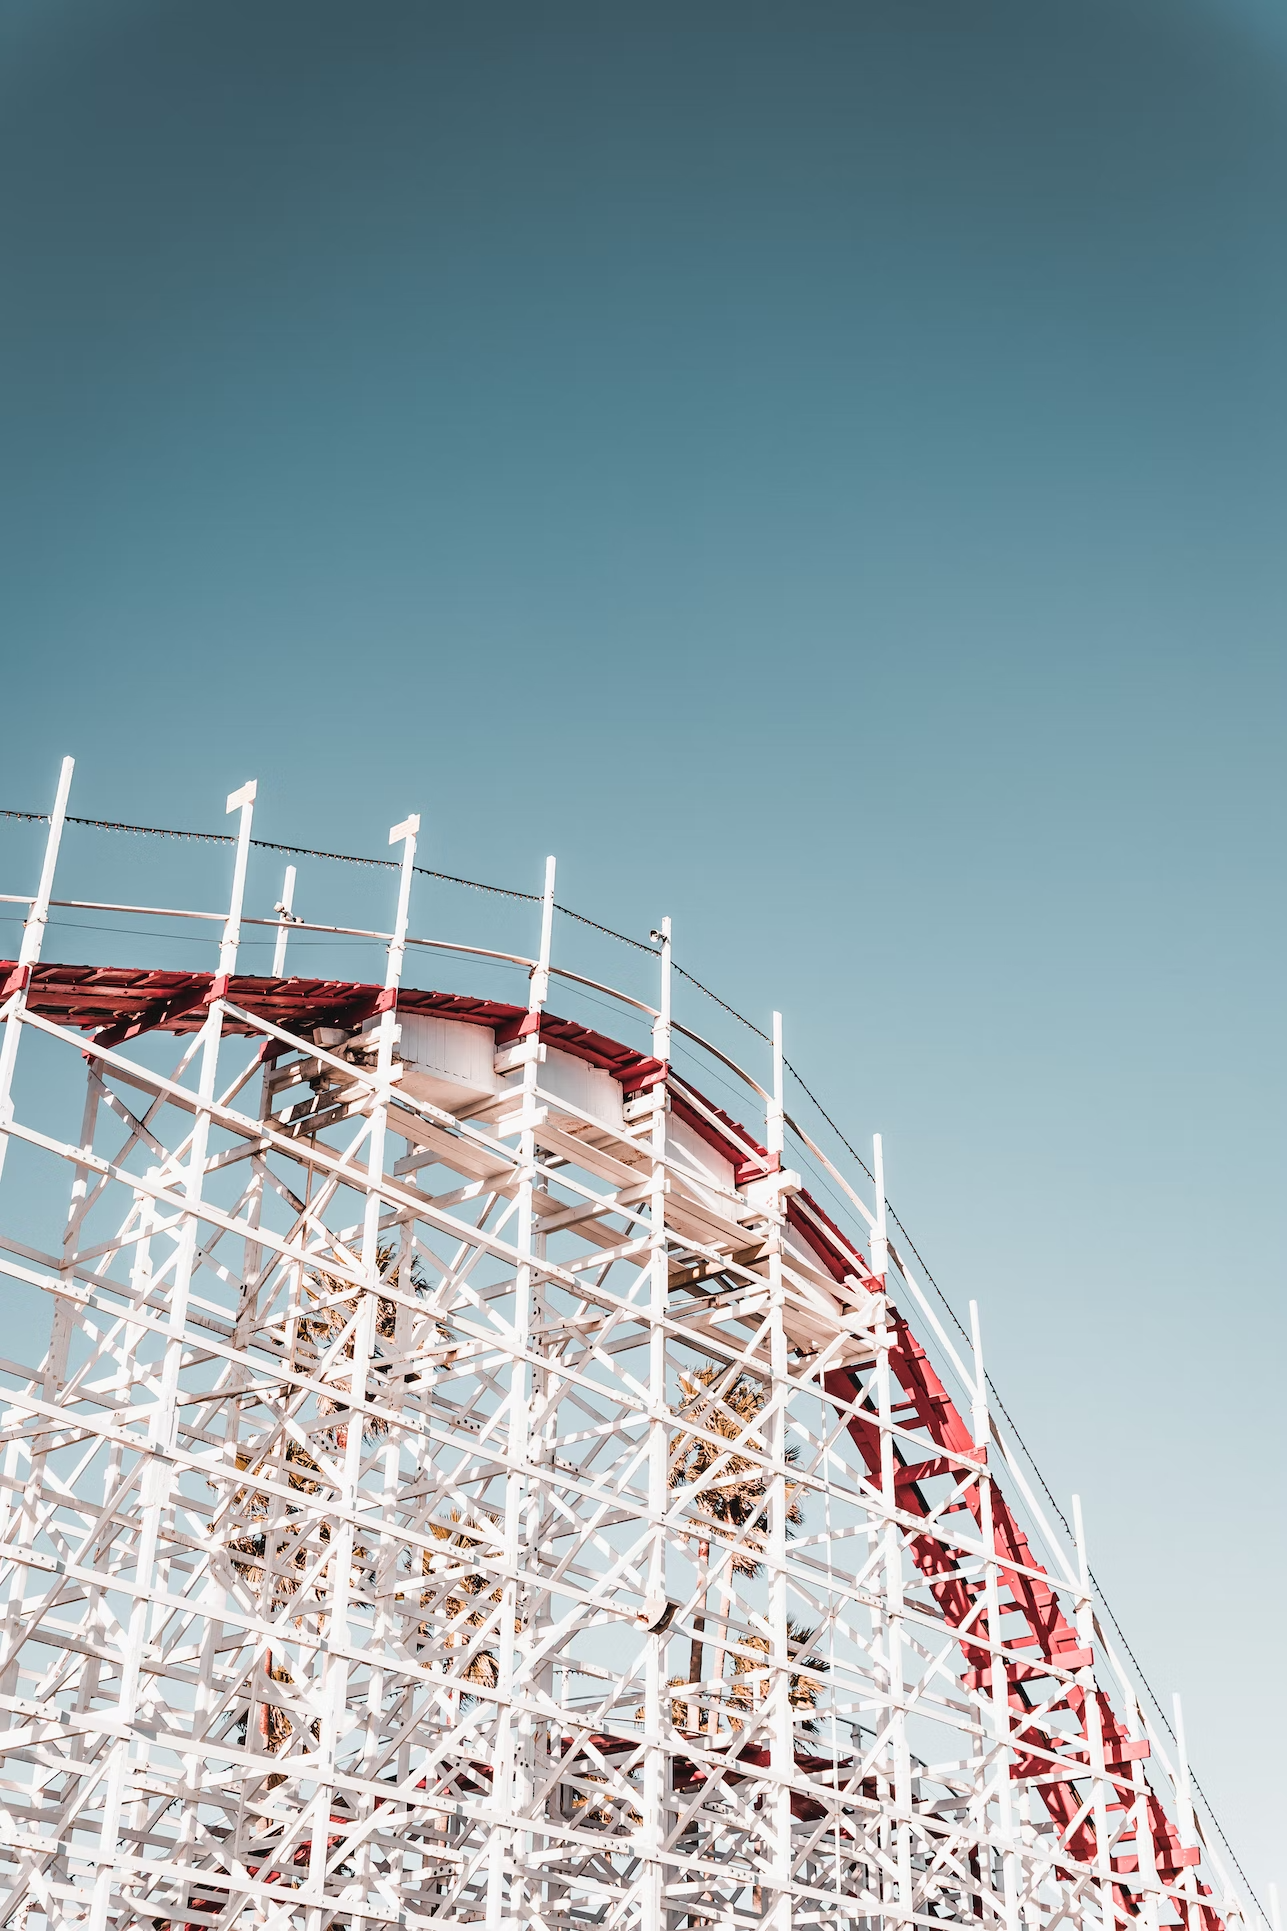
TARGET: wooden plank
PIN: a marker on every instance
(463, 1156)
(591, 1159)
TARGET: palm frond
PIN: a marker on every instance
(750, 1691)
(737, 1496)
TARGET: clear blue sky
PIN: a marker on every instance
(820, 470)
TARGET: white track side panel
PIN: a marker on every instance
(429, 1509)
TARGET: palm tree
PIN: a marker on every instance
(275, 1725)
(484, 1666)
(339, 1299)
(802, 1692)
(738, 1496)
(250, 1549)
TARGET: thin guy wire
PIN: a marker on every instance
(338, 858)
(534, 898)
(291, 851)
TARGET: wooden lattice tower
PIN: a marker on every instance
(470, 1481)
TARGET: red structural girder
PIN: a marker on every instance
(1047, 1631)
(118, 1003)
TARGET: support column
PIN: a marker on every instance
(283, 906)
(336, 1665)
(512, 1768)
(14, 993)
(654, 1612)
(1100, 1789)
(898, 1760)
(1184, 1821)
(1003, 1831)
(777, 1805)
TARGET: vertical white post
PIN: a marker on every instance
(285, 906)
(898, 1759)
(774, 1124)
(777, 1802)
(661, 1025)
(999, 1702)
(61, 1326)
(1093, 1721)
(1183, 1793)
(896, 1884)
(980, 1423)
(33, 934)
(879, 1240)
(1147, 1878)
(1184, 1813)
(655, 1755)
(244, 802)
(336, 1665)
(540, 987)
(55, 1363)
(20, 1506)
(512, 1766)
(162, 1428)
(1275, 1917)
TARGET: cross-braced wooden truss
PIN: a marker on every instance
(471, 1482)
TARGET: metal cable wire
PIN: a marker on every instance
(338, 858)
(291, 851)
(534, 898)
(594, 925)
(740, 1016)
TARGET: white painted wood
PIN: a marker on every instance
(284, 908)
(350, 1571)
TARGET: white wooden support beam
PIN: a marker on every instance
(1101, 1792)
(879, 1239)
(337, 1673)
(33, 934)
(780, 1912)
(514, 1770)
(1184, 1815)
(540, 987)
(661, 1025)
(285, 908)
(655, 1610)
(999, 1787)
(774, 1134)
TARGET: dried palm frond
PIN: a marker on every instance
(606, 1812)
(250, 1551)
(275, 1725)
(732, 1510)
(686, 1713)
(484, 1666)
(736, 1499)
(746, 1694)
(335, 1303)
(735, 1700)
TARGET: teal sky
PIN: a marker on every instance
(820, 471)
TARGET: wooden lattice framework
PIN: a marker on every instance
(514, 1506)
